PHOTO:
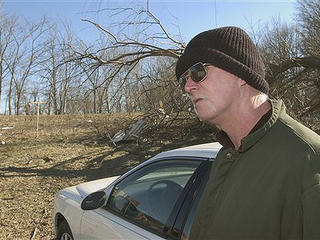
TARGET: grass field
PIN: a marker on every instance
(68, 150)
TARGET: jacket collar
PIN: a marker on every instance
(258, 131)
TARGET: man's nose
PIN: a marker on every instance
(190, 85)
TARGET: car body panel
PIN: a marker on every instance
(68, 201)
(89, 187)
(67, 205)
(95, 224)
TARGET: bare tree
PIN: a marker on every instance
(56, 71)
(23, 60)
(309, 30)
(138, 44)
(6, 32)
(292, 57)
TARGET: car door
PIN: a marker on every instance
(145, 204)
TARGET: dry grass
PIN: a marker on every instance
(69, 150)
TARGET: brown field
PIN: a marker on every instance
(69, 150)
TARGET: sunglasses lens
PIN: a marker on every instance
(197, 72)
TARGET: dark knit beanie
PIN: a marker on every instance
(228, 48)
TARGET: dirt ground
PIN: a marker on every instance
(68, 150)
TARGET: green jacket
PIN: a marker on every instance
(268, 189)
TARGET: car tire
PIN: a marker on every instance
(64, 231)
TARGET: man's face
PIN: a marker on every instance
(216, 96)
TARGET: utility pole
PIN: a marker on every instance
(38, 113)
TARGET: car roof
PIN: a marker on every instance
(207, 150)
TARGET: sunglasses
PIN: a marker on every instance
(196, 72)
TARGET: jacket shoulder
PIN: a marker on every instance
(297, 134)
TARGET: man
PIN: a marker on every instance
(265, 183)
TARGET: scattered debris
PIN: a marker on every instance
(36, 229)
(131, 135)
(6, 128)
(34, 233)
(119, 136)
(136, 129)
(47, 159)
(161, 110)
(76, 126)
(8, 198)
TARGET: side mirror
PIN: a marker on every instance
(93, 200)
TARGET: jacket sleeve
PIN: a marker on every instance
(311, 200)
(311, 213)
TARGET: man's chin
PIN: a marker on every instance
(206, 118)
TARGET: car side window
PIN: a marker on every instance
(147, 196)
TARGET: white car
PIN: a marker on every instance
(155, 200)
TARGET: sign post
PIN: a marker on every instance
(38, 114)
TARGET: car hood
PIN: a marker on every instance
(84, 189)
